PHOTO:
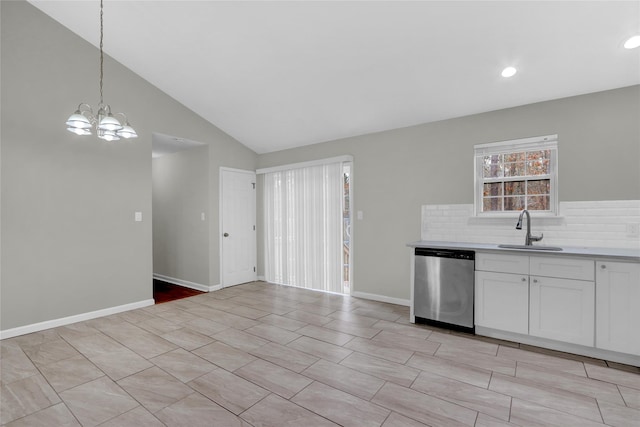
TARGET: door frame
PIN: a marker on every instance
(220, 221)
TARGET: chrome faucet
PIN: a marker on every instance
(529, 239)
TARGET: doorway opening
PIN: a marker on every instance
(180, 217)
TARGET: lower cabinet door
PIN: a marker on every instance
(562, 309)
(502, 301)
(618, 307)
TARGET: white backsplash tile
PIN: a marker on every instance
(601, 224)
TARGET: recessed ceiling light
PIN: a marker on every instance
(632, 42)
(509, 72)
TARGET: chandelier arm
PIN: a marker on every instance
(88, 108)
(124, 116)
(87, 111)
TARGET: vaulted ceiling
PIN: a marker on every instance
(276, 75)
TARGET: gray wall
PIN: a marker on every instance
(69, 241)
(396, 172)
(180, 196)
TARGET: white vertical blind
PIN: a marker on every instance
(303, 227)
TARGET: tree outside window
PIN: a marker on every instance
(516, 175)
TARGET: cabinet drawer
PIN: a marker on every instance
(516, 264)
(566, 268)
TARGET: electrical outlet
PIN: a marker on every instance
(633, 230)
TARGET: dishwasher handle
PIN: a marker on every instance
(445, 253)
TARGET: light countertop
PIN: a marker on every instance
(619, 254)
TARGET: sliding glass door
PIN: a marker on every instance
(307, 227)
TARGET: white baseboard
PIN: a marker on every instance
(48, 324)
(187, 284)
(381, 298)
(260, 279)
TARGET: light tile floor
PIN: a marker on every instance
(268, 355)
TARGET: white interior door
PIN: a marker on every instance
(237, 226)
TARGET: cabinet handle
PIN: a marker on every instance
(603, 266)
(524, 279)
(535, 280)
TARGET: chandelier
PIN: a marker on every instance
(107, 127)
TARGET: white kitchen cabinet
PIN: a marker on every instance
(537, 296)
(562, 309)
(618, 306)
(502, 301)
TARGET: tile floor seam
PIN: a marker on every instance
(463, 404)
(510, 407)
(608, 382)
(53, 388)
(387, 418)
(116, 416)
(213, 402)
(336, 422)
(600, 411)
(565, 412)
(62, 402)
(240, 414)
(622, 396)
(446, 400)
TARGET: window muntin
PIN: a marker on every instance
(516, 175)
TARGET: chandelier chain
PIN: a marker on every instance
(101, 54)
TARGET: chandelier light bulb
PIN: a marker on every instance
(78, 121)
(127, 132)
(632, 42)
(108, 135)
(109, 123)
(79, 131)
(509, 72)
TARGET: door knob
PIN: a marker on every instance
(226, 234)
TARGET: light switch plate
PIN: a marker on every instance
(202, 216)
(138, 216)
(360, 215)
(633, 230)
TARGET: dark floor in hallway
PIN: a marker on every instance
(165, 292)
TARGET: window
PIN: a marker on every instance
(515, 175)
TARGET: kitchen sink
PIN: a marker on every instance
(531, 247)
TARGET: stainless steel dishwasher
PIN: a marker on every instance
(443, 288)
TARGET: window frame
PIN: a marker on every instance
(538, 143)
